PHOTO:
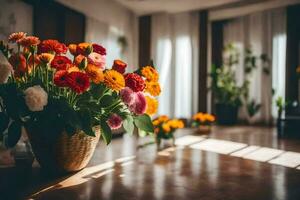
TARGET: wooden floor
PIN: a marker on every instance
(121, 171)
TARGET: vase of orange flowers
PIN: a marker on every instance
(67, 103)
(203, 122)
(164, 128)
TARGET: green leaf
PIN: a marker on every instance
(14, 134)
(128, 124)
(4, 120)
(105, 132)
(86, 121)
(144, 123)
(107, 100)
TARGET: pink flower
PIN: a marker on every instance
(97, 59)
(114, 121)
(139, 105)
(127, 96)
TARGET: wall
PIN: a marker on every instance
(15, 15)
(108, 16)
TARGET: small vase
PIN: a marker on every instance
(204, 129)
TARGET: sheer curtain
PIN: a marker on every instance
(174, 54)
(264, 33)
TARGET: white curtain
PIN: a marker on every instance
(264, 33)
(174, 52)
(108, 36)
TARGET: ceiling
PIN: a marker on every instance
(143, 7)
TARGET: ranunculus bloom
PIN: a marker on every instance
(84, 48)
(47, 46)
(5, 71)
(16, 37)
(119, 66)
(135, 82)
(114, 121)
(18, 61)
(60, 78)
(79, 82)
(36, 98)
(61, 63)
(139, 105)
(127, 96)
(95, 73)
(29, 41)
(153, 88)
(73, 49)
(78, 59)
(114, 80)
(99, 49)
(97, 59)
(152, 105)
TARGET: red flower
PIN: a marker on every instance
(61, 63)
(135, 82)
(52, 46)
(119, 66)
(78, 82)
(18, 61)
(99, 49)
(60, 78)
(29, 41)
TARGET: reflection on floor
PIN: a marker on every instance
(220, 166)
(257, 153)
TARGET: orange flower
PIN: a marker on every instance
(166, 127)
(95, 73)
(16, 37)
(84, 48)
(163, 118)
(150, 74)
(29, 41)
(156, 122)
(79, 59)
(114, 80)
(152, 105)
(73, 68)
(153, 88)
(298, 70)
(46, 57)
(73, 49)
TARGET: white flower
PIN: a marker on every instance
(5, 71)
(36, 98)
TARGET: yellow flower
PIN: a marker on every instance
(156, 122)
(152, 105)
(210, 117)
(150, 74)
(114, 80)
(175, 123)
(153, 88)
(46, 57)
(166, 127)
(95, 73)
(73, 69)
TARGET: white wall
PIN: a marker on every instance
(107, 14)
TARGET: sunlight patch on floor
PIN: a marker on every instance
(263, 154)
(188, 140)
(287, 159)
(218, 146)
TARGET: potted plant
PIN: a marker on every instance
(203, 122)
(164, 128)
(66, 105)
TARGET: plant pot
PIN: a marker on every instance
(204, 129)
(226, 114)
(66, 153)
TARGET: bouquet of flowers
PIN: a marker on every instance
(164, 127)
(42, 87)
(203, 121)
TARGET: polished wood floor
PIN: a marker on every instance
(121, 171)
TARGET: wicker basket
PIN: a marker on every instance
(68, 154)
